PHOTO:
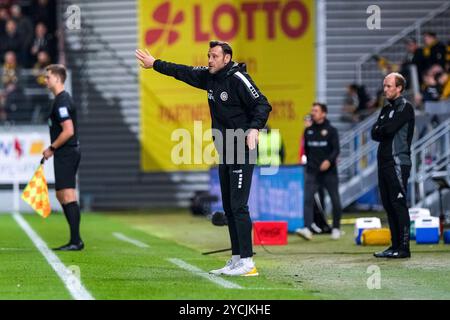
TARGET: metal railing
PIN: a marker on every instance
(359, 147)
(429, 154)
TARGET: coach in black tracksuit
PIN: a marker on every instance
(235, 103)
(321, 150)
(394, 130)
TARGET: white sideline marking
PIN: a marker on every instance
(137, 243)
(213, 278)
(72, 283)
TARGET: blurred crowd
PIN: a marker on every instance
(428, 66)
(27, 42)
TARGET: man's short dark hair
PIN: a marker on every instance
(410, 40)
(58, 70)
(224, 45)
(322, 106)
(430, 33)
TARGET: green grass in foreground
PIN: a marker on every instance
(113, 269)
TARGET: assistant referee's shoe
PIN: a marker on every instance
(71, 247)
(244, 268)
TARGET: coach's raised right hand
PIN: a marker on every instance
(146, 60)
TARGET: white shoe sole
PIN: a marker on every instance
(304, 236)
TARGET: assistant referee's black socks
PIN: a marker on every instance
(72, 213)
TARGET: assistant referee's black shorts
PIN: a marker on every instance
(66, 161)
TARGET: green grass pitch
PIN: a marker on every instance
(114, 269)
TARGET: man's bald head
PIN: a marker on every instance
(393, 85)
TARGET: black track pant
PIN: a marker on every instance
(235, 182)
(329, 181)
(392, 181)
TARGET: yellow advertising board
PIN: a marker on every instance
(276, 40)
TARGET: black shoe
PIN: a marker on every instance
(400, 254)
(71, 247)
(384, 254)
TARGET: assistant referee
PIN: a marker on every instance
(66, 151)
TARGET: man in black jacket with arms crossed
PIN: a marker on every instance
(394, 130)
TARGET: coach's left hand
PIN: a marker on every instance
(48, 153)
(252, 138)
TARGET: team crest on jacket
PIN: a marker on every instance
(391, 114)
(324, 132)
(224, 96)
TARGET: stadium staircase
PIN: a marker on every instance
(431, 155)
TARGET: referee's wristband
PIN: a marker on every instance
(52, 148)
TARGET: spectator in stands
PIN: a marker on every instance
(357, 103)
(385, 65)
(25, 31)
(43, 41)
(11, 95)
(43, 60)
(11, 40)
(44, 12)
(431, 90)
(434, 51)
(4, 17)
(414, 56)
(443, 82)
(9, 69)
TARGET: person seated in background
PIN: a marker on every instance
(10, 95)
(43, 60)
(443, 82)
(9, 69)
(430, 91)
(44, 11)
(25, 31)
(357, 104)
(4, 17)
(384, 65)
(434, 51)
(43, 41)
(414, 56)
(11, 40)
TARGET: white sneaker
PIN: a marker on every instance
(230, 264)
(336, 234)
(305, 233)
(244, 268)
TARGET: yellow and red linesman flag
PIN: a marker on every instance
(36, 193)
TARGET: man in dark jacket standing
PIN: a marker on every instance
(238, 111)
(394, 130)
(321, 150)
